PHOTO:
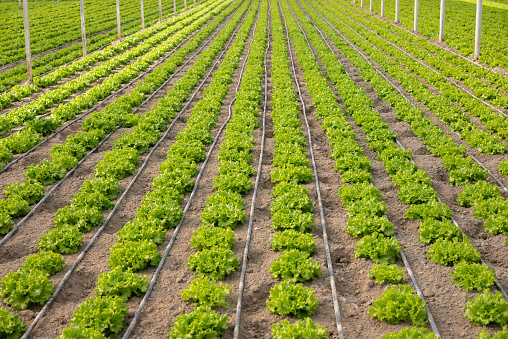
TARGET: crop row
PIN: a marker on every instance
(137, 247)
(448, 245)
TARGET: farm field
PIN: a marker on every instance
(253, 169)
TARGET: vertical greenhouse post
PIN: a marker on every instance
(442, 20)
(83, 30)
(361, 3)
(478, 30)
(57, 3)
(160, 11)
(382, 8)
(372, 5)
(27, 41)
(118, 22)
(142, 15)
(417, 10)
(397, 9)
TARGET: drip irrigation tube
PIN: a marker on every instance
(117, 204)
(134, 320)
(417, 60)
(121, 89)
(236, 332)
(403, 256)
(331, 274)
(32, 211)
(395, 87)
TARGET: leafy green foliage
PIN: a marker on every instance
(224, 209)
(292, 299)
(47, 262)
(84, 218)
(81, 332)
(22, 288)
(30, 190)
(398, 304)
(431, 230)
(487, 308)
(45, 173)
(367, 207)
(481, 190)
(6, 223)
(233, 181)
(286, 219)
(292, 200)
(161, 206)
(203, 322)
(104, 314)
(445, 252)
(136, 255)
(412, 332)
(503, 168)
(473, 276)
(503, 334)
(363, 225)
(386, 274)
(215, 263)
(120, 283)
(11, 327)
(287, 187)
(292, 240)
(213, 237)
(300, 330)
(117, 164)
(205, 292)
(63, 240)
(363, 191)
(15, 206)
(295, 266)
(377, 247)
(431, 210)
(298, 174)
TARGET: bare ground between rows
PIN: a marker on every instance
(23, 243)
(446, 302)
(16, 172)
(81, 284)
(165, 302)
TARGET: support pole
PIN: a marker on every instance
(174, 7)
(194, 3)
(160, 11)
(83, 31)
(118, 22)
(382, 8)
(185, 2)
(354, 2)
(372, 5)
(142, 15)
(397, 10)
(362, 3)
(28, 49)
(442, 20)
(478, 30)
(417, 12)
(58, 3)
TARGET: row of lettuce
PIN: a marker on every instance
(95, 128)
(146, 53)
(54, 59)
(491, 207)
(448, 245)
(448, 106)
(19, 92)
(137, 240)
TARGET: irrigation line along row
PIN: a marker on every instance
(331, 274)
(498, 182)
(403, 256)
(449, 50)
(417, 60)
(134, 320)
(236, 332)
(15, 228)
(117, 204)
(398, 142)
(151, 69)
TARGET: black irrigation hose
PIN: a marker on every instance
(254, 193)
(397, 89)
(115, 93)
(331, 275)
(32, 211)
(403, 256)
(421, 62)
(106, 221)
(134, 320)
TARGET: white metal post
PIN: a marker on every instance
(57, 3)
(28, 50)
(160, 11)
(372, 5)
(478, 30)
(185, 2)
(417, 9)
(382, 8)
(397, 9)
(83, 31)
(361, 3)
(174, 6)
(142, 15)
(118, 22)
(442, 20)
